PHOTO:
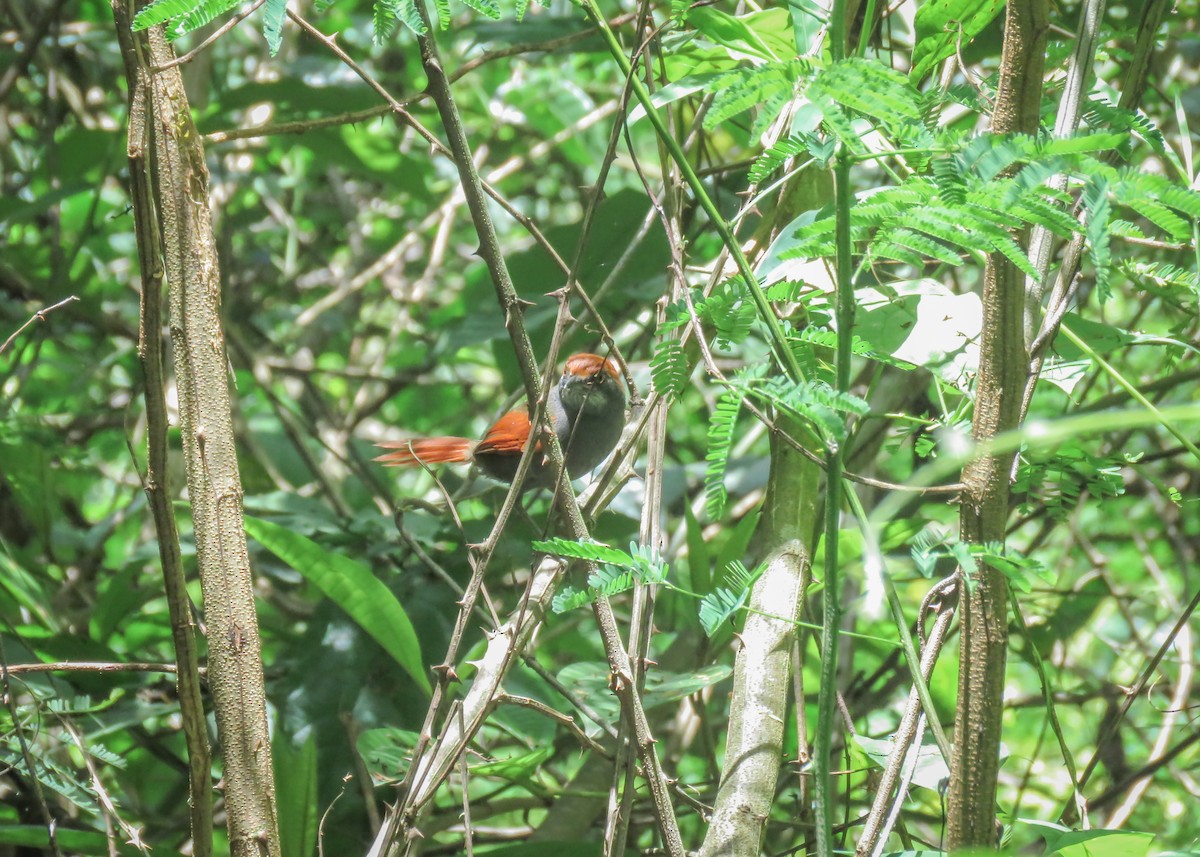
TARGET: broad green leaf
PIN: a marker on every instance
(1102, 338)
(676, 686)
(351, 586)
(590, 679)
(1097, 843)
(516, 768)
(699, 573)
(944, 26)
(672, 92)
(296, 794)
(808, 21)
(924, 323)
(26, 590)
(71, 841)
(730, 32)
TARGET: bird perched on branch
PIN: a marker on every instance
(586, 409)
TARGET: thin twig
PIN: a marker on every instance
(580, 703)
(40, 315)
(1183, 688)
(1136, 691)
(880, 819)
(564, 719)
(108, 807)
(356, 116)
(90, 667)
(510, 304)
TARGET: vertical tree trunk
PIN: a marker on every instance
(761, 680)
(1003, 367)
(158, 490)
(188, 255)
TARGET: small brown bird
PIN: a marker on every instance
(586, 409)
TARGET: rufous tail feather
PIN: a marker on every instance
(425, 450)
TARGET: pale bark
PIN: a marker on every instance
(189, 258)
(762, 672)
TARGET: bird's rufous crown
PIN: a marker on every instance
(587, 365)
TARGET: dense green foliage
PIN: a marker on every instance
(357, 310)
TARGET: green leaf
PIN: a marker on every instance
(813, 401)
(820, 150)
(943, 26)
(518, 768)
(1163, 274)
(1101, 113)
(720, 439)
(671, 687)
(387, 12)
(1077, 144)
(71, 841)
(1100, 337)
(1020, 570)
(669, 368)
(386, 751)
(698, 554)
(925, 247)
(273, 14)
(487, 8)
(764, 87)
(869, 87)
(618, 573)
(732, 312)
(719, 605)
(443, 11)
(384, 15)
(931, 771)
(1095, 203)
(773, 158)
(593, 551)
(730, 32)
(296, 794)
(351, 586)
(161, 11)
(202, 14)
(603, 582)
(1098, 843)
(548, 848)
